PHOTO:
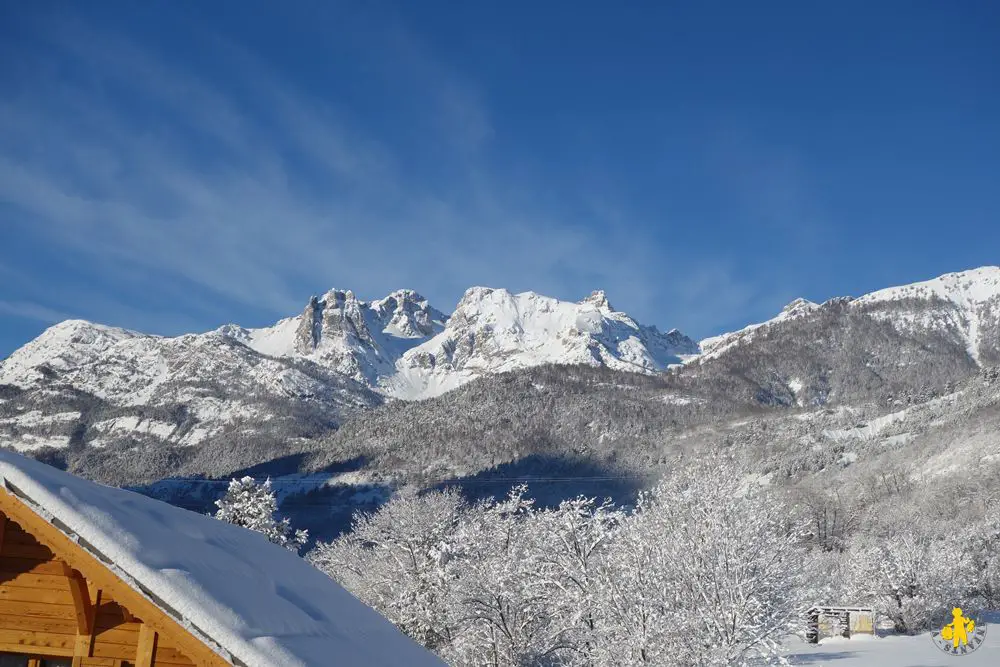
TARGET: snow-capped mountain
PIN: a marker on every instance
(199, 403)
(86, 385)
(402, 346)
(68, 345)
(360, 339)
(130, 369)
(963, 308)
(716, 345)
(492, 331)
(912, 338)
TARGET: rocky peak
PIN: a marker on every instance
(475, 301)
(493, 330)
(338, 298)
(598, 299)
(307, 336)
(678, 342)
(799, 306)
(343, 317)
(474, 296)
(407, 314)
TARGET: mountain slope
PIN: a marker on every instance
(912, 339)
(494, 331)
(963, 306)
(120, 405)
(94, 389)
(209, 403)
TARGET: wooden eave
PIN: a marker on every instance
(92, 566)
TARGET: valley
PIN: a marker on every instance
(352, 399)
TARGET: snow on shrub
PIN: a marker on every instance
(250, 504)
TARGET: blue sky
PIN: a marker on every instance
(173, 166)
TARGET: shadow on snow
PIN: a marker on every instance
(550, 480)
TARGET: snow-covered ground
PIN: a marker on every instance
(891, 651)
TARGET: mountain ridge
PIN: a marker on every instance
(493, 331)
(209, 403)
(360, 339)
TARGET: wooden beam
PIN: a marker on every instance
(145, 653)
(84, 645)
(82, 606)
(3, 529)
(86, 599)
(78, 558)
(27, 645)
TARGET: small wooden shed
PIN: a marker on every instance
(94, 576)
(843, 620)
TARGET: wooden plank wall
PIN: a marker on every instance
(38, 615)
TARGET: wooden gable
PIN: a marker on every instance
(60, 605)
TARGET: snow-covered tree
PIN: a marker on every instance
(981, 542)
(635, 596)
(251, 504)
(831, 515)
(401, 560)
(575, 541)
(911, 574)
(507, 591)
(706, 572)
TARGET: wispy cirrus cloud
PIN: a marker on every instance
(196, 198)
(32, 311)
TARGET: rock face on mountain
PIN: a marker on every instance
(402, 346)
(356, 338)
(493, 331)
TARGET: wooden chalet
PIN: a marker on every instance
(60, 606)
(101, 577)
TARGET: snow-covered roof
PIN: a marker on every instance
(263, 604)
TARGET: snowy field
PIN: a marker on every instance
(891, 651)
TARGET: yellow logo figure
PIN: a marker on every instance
(962, 636)
(959, 629)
